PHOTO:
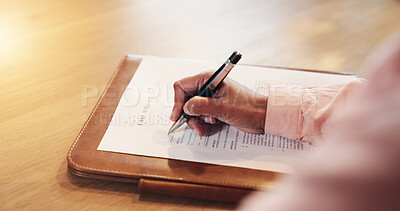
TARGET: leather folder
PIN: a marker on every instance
(157, 175)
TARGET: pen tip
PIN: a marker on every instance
(172, 128)
(177, 124)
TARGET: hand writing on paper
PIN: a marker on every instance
(233, 104)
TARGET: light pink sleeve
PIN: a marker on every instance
(356, 167)
(299, 113)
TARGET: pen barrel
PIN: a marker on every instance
(206, 93)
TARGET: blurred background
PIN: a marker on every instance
(49, 50)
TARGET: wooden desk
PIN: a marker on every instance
(51, 50)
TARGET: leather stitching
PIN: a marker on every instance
(205, 182)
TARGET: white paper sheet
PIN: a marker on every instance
(141, 121)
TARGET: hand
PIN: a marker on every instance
(232, 103)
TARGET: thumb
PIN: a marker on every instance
(213, 107)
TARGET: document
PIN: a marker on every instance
(141, 121)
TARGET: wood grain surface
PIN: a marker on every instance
(50, 51)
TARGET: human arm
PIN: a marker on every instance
(295, 112)
(357, 166)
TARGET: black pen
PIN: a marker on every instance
(212, 84)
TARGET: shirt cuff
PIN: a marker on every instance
(283, 116)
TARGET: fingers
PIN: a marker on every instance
(176, 111)
(209, 120)
(180, 98)
(211, 107)
(197, 126)
(185, 88)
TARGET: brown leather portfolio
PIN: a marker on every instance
(156, 175)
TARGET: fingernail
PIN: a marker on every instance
(188, 107)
